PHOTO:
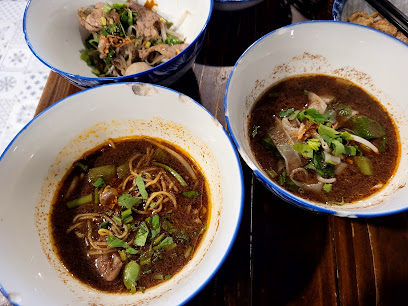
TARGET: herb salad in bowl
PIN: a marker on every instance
(93, 43)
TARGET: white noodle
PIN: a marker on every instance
(365, 142)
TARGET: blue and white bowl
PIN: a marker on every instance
(375, 62)
(343, 9)
(54, 35)
(234, 5)
(39, 156)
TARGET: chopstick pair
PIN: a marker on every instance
(392, 14)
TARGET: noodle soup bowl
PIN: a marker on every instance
(375, 62)
(54, 35)
(40, 155)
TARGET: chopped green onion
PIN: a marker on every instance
(126, 213)
(104, 224)
(167, 277)
(282, 178)
(131, 275)
(141, 185)
(158, 239)
(177, 176)
(164, 243)
(173, 40)
(191, 194)
(158, 277)
(171, 246)
(117, 220)
(272, 173)
(146, 257)
(155, 225)
(80, 201)
(99, 183)
(127, 219)
(122, 255)
(327, 187)
(106, 8)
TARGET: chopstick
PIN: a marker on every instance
(392, 14)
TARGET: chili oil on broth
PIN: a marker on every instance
(183, 222)
(350, 185)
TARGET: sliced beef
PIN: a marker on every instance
(108, 266)
(147, 21)
(93, 18)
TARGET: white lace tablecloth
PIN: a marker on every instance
(22, 75)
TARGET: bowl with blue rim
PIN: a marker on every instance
(92, 43)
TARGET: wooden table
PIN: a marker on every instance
(282, 254)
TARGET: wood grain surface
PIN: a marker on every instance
(284, 255)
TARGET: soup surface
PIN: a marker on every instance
(129, 214)
(324, 139)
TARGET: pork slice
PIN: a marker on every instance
(146, 21)
(166, 50)
(108, 266)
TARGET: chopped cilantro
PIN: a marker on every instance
(327, 187)
(313, 115)
(303, 149)
(285, 113)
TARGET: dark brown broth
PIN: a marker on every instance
(73, 251)
(351, 185)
